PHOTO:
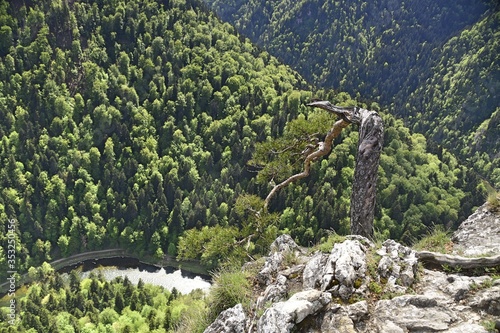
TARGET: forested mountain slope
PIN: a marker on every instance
(125, 123)
(435, 62)
(462, 96)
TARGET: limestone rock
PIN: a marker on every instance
(344, 319)
(293, 271)
(363, 240)
(487, 300)
(284, 243)
(314, 270)
(274, 293)
(345, 266)
(337, 322)
(229, 321)
(343, 272)
(479, 234)
(398, 265)
(414, 313)
(358, 311)
(282, 317)
(467, 327)
(457, 287)
(271, 267)
(279, 247)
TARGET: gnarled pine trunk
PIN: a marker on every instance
(371, 137)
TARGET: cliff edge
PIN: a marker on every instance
(360, 287)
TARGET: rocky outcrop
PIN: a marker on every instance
(232, 320)
(342, 274)
(399, 314)
(487, 300)
(398, 266)
(360, 288)
(479, 235)
(282, 317)
(282, 245)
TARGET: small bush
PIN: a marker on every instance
(375, 287)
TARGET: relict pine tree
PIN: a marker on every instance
(371, 133)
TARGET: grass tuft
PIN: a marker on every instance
(489, 325)
(437, 240)
(230, 287)
(326, 245)
(493, 200)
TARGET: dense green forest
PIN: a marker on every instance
(435, 63)
(69, 303)
(127, 123)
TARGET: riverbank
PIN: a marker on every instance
(191, 266)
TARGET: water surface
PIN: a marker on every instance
(184, 283)
(167, 277)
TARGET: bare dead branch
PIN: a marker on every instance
(439, 259)
(247, 240)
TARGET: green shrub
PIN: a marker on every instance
(375, 287)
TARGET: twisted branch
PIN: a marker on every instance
(323, 148)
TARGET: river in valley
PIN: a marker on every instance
(167, 277)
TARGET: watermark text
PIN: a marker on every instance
(11, 269)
